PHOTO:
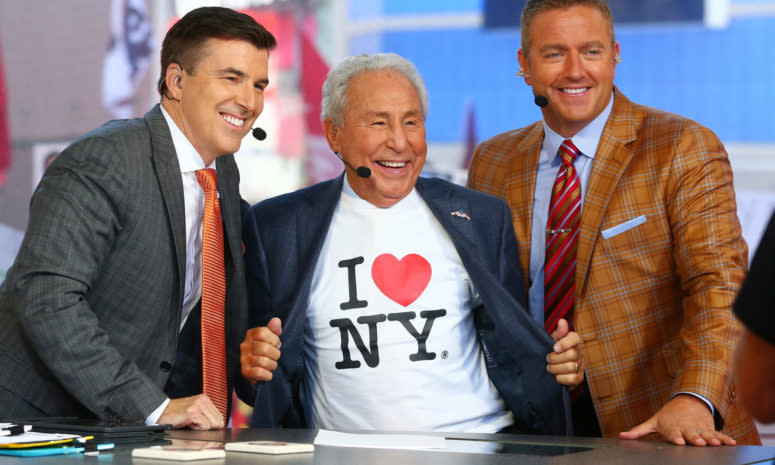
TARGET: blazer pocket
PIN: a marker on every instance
(622, 227)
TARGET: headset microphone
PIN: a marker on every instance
(541, 101)
(259, 133)
(361, 171)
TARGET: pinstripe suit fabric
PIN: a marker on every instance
(90, 310)
(652, 302)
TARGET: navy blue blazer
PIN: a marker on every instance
(283, 238)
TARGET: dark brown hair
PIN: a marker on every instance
(186, 39)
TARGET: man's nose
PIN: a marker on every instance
(247, 97)
(397, 139)
(574, 65)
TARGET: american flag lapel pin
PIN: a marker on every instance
(461, 214)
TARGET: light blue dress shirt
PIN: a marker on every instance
(549, 164)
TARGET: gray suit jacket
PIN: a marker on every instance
(90, 310)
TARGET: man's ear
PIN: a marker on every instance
(330, 130)
(523, 67)
(173, 78)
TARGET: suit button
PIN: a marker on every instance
(165, 366)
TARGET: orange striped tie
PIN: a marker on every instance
(562, 234)
(213, 295)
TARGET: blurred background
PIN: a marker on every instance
(67, 67)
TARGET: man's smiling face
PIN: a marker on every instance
(218, 101)
(571, 61)
(384, 130)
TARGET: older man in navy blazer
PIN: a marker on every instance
(391, 302)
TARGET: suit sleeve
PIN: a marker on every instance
(75, 215)
(711, 259)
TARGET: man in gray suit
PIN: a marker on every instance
(101, 313)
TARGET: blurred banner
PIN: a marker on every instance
(5, 131)
(321, 162)
(469, 135)
(506, 13)
(128, 55)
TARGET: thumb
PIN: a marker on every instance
(275, 326)
(639, 431)
(561, 331)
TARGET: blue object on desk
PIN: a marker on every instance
(58, 450)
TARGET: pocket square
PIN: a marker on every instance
(622, 227)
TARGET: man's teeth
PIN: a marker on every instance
(575, 91)
(233, 120)
(393, 164)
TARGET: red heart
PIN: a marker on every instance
(401, 281)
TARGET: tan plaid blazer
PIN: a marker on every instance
(652, 302)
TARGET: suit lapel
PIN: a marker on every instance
(312, 224)
(228, 188)
(509, 316)
(449, 211)
(167, 167)
(522, 195)
(611, 160)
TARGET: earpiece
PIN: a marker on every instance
(522, 72)
(617, 58)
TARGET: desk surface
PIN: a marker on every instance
(515, 449)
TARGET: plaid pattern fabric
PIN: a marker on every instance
(652, 301)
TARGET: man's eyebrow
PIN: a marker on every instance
(593, 44)
(231, 70)
(551, 47)
(385, 114)
(590, 44)
(240, 73)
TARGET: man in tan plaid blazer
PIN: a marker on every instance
(660, 254)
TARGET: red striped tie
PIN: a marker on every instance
(562, 232)
(213, 295)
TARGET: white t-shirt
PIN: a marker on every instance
(390, 342)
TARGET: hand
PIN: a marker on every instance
(566, 363)
(685, 419)
(260, 351)
(196, 412)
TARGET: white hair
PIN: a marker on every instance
(338, 81)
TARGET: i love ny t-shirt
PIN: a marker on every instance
(390, 342)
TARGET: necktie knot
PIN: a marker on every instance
(568, 152)
(208, 179)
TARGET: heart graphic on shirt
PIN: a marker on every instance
(402, 281)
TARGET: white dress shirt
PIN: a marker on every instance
(193, 198)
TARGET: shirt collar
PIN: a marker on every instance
(188, 158)
(585, 140)
(410, 200)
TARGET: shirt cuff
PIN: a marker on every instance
(153, 418)
(707, 402)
